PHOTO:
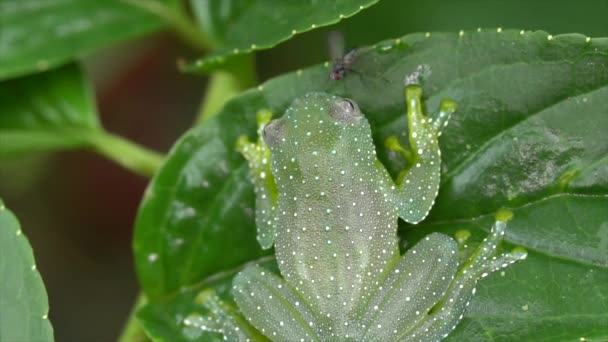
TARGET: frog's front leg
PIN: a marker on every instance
(273, 307)
(258, 156)
(418, 184)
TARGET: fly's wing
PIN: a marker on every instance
(365, 60)
(335, 45)
(351, 55)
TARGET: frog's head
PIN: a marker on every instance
(318, 133)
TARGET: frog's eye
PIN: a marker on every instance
(346, 111)
(274, 132)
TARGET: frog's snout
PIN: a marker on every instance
(274, 132)
(346, 111)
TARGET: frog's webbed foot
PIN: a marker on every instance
(258, 156)
(270, 305)
(223, 319)
(417, 185)
(446, 314)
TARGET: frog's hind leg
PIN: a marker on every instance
(413, 287)
(258, 156)
(270, 305)
(222, 318)
(417, 185)
(444, 317)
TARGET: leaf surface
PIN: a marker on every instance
(24, 305)
(38, 35)
(47, 111)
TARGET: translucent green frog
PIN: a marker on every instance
(330, 208)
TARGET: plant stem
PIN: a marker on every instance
(133, 332)
(126, 153)
(238, 75)
(180, 23)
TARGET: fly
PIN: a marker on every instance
(341, 62)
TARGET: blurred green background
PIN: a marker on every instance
(78, 208)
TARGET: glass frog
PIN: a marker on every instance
(330, 209)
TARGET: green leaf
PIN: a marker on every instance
(38, 35)
(46, 111)
(529, 134)
(24, 306)
(239, 27)
(56, 110)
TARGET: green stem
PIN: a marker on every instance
(181, 23)
(238, 75)
(133, 332)
(126, 153)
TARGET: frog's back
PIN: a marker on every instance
(331, 198)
